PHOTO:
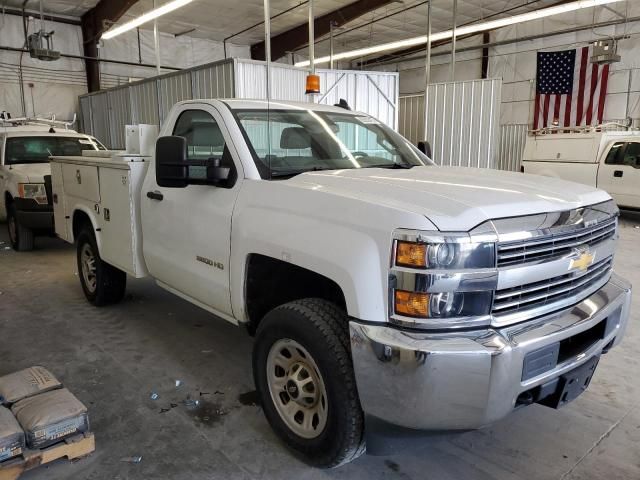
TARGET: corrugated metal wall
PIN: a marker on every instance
(411, 115)
(287, 82)
(375, 93)
(512, 140)
(144, 103)
(214, 81)
(119, 105)
(100, 118)
(172, 89)
(462, 121)
(85, 115)
(149, 100)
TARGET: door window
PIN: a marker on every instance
(204, 142)
(632, 155)
(614, 157)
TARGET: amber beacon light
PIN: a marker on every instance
(313, 84)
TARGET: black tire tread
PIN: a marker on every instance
(332, 324)
(112, 281)
(25, 235)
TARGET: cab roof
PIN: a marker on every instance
(245, 104)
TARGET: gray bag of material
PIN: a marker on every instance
(26, 383)
(50, 417)
(11, 436)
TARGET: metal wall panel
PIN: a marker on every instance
(173, 89)
(85, 115)
(119, 115)
(100, 118)
(213, 81)
(150, 100)
(512, 141)
(287, 82)
(144, 103)
(462, 122)
(375, 93)
(411, 114)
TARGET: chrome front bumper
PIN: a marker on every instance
(465, 380)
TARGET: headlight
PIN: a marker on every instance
(36, 191)
(442, 305)
(445, 255)
(442, 280)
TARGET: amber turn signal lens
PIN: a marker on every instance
(409, 254)
(313, 84)
(412, 304)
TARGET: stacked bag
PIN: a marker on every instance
(42, 412)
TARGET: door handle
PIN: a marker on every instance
(155, 196)
(618, 173)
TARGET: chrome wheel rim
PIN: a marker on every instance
(88, 266)
(13, 230)
(297, 388)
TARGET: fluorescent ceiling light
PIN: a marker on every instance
(475, 28)
(147, 17)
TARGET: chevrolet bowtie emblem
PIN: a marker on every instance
(583, 261)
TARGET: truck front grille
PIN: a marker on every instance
(537, 294)
(549, 247)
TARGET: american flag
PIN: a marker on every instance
(570, 91)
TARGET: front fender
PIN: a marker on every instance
(345, 240)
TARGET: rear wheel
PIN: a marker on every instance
(21, 237)
(103, 284)
(304, 375)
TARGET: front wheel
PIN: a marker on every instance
(21, 237)
(304, 375)
(103, 284)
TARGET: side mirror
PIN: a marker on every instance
(172, 167)
(217, 174)
(425, 147)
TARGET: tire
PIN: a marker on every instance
(103, 284)
(21, 237)
(323, 422)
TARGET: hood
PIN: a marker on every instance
(31, 173)
(454, 198)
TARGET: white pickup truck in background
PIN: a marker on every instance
(382, 290)
(608, 160)
(25, 147)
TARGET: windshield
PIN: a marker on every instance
(285, 143)
(38, 149)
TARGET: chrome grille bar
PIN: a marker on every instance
(553, 246)
(545, 292)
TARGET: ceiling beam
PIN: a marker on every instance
(298, 37)
(94, 23)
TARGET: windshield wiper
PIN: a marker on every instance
(293, 173)
(391, 165)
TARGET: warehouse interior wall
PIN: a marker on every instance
(515, 63)
(54, 87)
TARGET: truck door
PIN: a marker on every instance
(619, 175)
(187, 231)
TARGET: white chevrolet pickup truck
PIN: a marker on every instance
(383, 292)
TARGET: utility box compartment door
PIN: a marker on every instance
(81, 181)
(563, 148)
(59, 204)
(115, 218)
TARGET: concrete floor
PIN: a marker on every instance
(114, 358)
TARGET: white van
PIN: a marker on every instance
(607, 160)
